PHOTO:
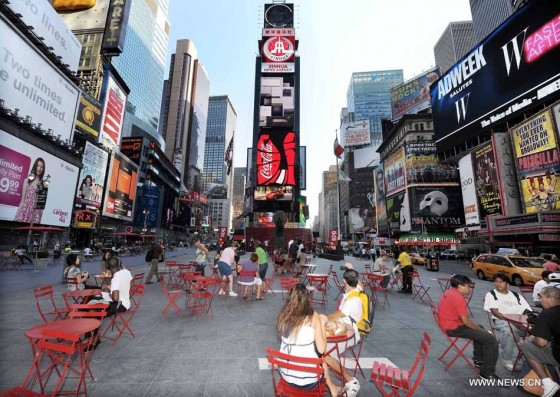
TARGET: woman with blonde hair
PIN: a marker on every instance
(303, 334)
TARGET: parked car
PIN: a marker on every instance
(520, 269)
(417, 259)
(449, 254)
(550, 257)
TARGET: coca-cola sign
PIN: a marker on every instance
(276, 159)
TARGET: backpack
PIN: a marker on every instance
(368, 312)
(513, 292)
(149, 255)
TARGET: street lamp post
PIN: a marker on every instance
(42, 185)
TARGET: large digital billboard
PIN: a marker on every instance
(356, 133)
(277, 104)
(515, 67)
(470, 204)
(380, 206)
(413, 95)
(278, 50)
(147, 206)
(19, 196)
(486, 181)
(273, 193)
(113, 113)
(121, 188)
(536, 151)
(30, 83)
(437, 208)
(423, 166)
(395, 175)
(92, 176)
(276, 157)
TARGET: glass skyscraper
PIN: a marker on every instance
(454, 43)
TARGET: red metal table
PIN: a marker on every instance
(80, 295)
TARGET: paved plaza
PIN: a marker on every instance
(226, 355)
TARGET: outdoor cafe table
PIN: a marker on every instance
(81, 295)
(101, 281)
(336, 340)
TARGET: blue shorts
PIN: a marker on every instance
(225, 269)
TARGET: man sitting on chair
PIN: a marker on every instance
(543, 347)
(501, 301)
(119, 296)
(454, 320)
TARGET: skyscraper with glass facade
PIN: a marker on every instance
(217, 184)
(455, 42)
(488, 15)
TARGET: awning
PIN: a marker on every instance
(428, 239)
(41, 228)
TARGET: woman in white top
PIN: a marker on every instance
(303, 335)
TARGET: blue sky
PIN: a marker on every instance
(336, 38)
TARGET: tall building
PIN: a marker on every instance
(456, 41)
(328, 210)
(488, 15)
(238, 196)
(186, 105)
(216, 175)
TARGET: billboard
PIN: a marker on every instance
(272, 193)
(486, 181)
(398, 212)
(115, 27)
(217, 191)
(513, 68)
(121, 188)
(88, 117)
(422, 164)
(507, 177)
(535, 147)
(276, 106)
(30, 83)
(468, 191)
(48, 25)
(395, 178)
(91, 18)
(147, 206)
(276, 157)
(113, 112)
(437, 209)
(18, 196)
(380, 207)
(356, 133)
(333, 238)
(131, 147)
(413, 95)
(278, 49)
(357, 219)
(92, 176)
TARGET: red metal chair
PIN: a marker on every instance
(200, 302)
(172, 295)
(471, 293)
(338, 285)
(420, 291)
(121, 321)
(375, 282)
(137, 279)
(398, 379)
(319, 296)
(453, 345)
(45, 304)
(284, 362)
(286, 284)
(51, 368)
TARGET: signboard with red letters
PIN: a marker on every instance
(333, 238)
(222, 236)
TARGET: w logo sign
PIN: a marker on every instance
(514, 49)
(461, 108)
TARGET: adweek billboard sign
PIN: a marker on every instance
(356, 133)
(515, 67)
(413, 95)
(92, 176)
(121, 188)
(18, 195)
(468, 191)
(30, 83)
(48, 25)
(537, 157)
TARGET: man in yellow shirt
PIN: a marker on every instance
(406, 268)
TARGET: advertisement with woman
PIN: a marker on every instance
(92, 176)
(121, 189)
(34, 184)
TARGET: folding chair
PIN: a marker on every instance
(172, 296)
(137, 279)
(45, 303)
(286, 284)
(375, 282)
(200, 302)
(453, 344)
(268, 282)
(246, 275)
(319, 295)
(471, 293)
(396, 281)
(284, 363)
(338, 285)
(398, 379)
(121, 321)
(520, 358)
(420, 291)
(51, 367)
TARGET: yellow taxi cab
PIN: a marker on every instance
(521, 270)
(417, 259)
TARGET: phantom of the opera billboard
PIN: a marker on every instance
(514, 68)
(436, 209)
(535, 145)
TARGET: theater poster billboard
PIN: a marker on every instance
(121, 188)
(423, 166)
(92, 176)
(437, 208)
(511, 70)
(413, 95)
(537, 157)
(468, 191)
(380, 206)
(398, 212)
(356, 133)
(19, 195)
(395, 176)
(276, 157)
(486, 181)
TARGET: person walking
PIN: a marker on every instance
(157, 254)
(263, 261)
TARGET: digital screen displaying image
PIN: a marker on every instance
(92, 176)
(121, 191)
(437, 208)
(277, 102)
(276, 157)
(273, 193)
